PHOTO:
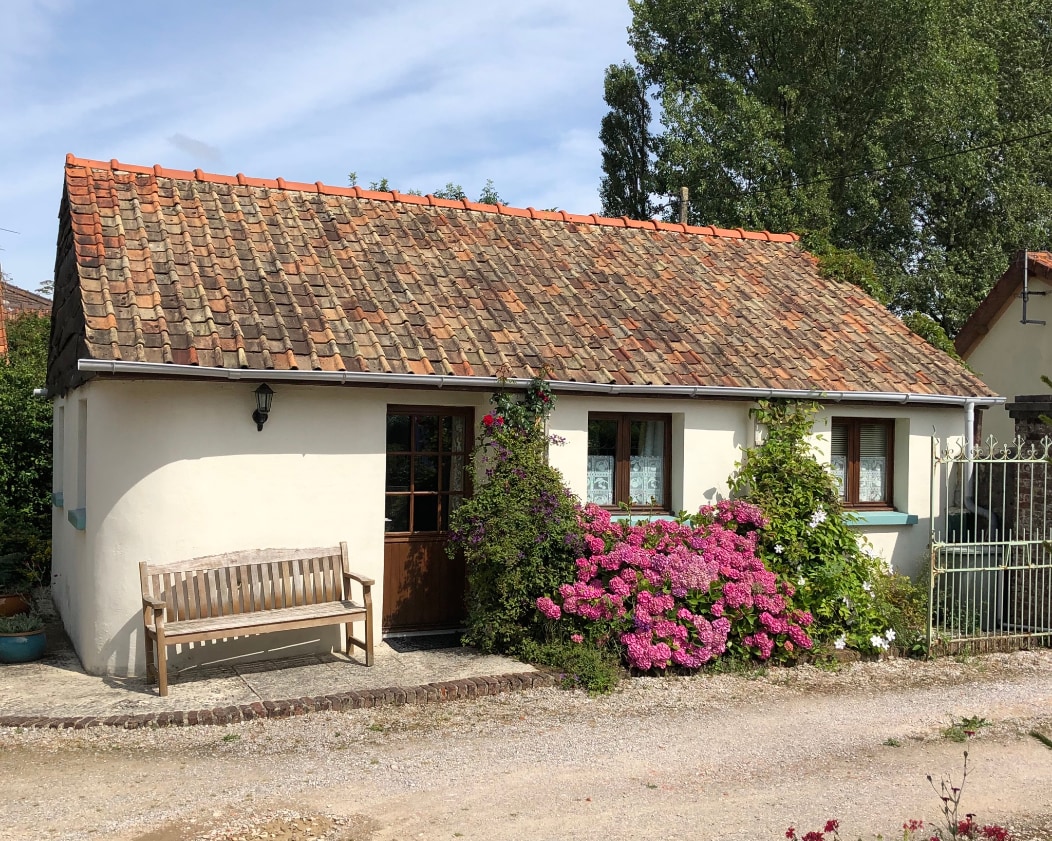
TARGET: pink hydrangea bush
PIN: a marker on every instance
(680, 594)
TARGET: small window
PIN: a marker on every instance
(862, 461)
(628, 461)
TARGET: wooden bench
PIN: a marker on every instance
(245, 593)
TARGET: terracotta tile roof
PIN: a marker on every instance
(236, 272)
(1007, 288)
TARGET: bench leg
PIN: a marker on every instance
(151, 668)
(368, 641)
(162, 665)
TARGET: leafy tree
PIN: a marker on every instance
(628, 180)
(488, 194)
(25, 448)
(912, 132)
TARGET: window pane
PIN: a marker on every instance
(873, 463)
(397, 433)
(647, 463)
(426, 433)
(425, 473)
(425, 513)
(397, 473)
(602, 460)
(838, 448)
(397, 513)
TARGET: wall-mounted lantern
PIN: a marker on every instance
(264, 398)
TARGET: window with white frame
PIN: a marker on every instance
(629, 460)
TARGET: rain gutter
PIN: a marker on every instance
(364, 378)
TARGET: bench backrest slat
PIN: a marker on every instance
(269, 579)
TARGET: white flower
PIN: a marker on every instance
(839, 643)
(867, 587)
(818, 517)
(801, 582)
(778, 548)
(889, 634)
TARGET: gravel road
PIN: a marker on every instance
(729, 756)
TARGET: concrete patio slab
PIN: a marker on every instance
(56, 691)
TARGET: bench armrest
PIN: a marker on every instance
(365, 581)
(150, 601)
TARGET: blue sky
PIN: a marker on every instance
(421, 92)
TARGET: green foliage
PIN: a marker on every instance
(808, 541)
(905, 606)
(21, 623)
(912, 133)
(961, 729)
(25, 455)
(578, 665)
(846, 266)
(519, 532)
(932, 332)
(488, 194)
(628, 179)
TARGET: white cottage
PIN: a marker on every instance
(383, 322)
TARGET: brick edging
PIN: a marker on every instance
(430, 693)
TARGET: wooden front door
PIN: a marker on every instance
(427, 451)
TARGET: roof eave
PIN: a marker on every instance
(364, 378)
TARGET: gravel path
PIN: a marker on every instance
(713, 756)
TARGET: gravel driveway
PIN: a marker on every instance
(727, 756)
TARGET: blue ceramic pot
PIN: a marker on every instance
(22, 648)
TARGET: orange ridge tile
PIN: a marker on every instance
(114, 165)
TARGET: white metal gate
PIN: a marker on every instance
(991, 561)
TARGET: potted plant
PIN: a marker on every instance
(14, 585)
(21, 638)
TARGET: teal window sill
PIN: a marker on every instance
(636, 519)
(78, 517)
(56, 499)
(881, 518)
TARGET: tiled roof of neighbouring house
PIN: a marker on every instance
(13, 302)
(17, 300)
(1003, 292)
(157, 265)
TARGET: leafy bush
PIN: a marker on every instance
(25, 454)
(596, 670)
(807, 540)
(519, 532)
(679, 593)
(906, 607)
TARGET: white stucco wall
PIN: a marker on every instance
(1012, 357)
(176, 469)
(709, 437)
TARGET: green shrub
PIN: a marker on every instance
(519, 532)
(578, 665)
(905, 604)
(25, 454)
(808, 541)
